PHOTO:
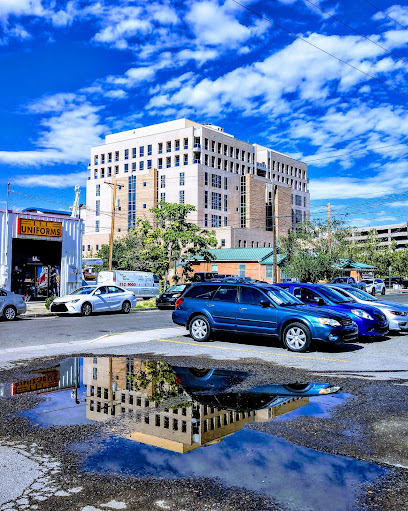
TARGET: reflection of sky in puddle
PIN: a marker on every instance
(297, 477)
(319, 406)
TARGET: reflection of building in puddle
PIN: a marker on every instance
(63, 376)
(122, 385)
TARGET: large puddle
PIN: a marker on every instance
(176, 422)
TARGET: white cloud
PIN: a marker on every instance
(398, 12)
(66, 136)
(52, 180)
(21, 8)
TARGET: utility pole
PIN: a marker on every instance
(275, 265)
(329, 225)
(113, 185)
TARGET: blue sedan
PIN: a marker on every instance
(371, 321)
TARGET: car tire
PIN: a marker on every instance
(296, 337)
(126, 306)
(373, 291)
(200, 328)
(9, 313)
(383, 291)
(86, 309)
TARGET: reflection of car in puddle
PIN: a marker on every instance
(161, 415)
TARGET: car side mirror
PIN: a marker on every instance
(264, 304)
(97, 292)
(321, 302)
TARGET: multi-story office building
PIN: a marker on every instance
(386, 235)
(230, 182)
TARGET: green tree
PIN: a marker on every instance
(369, 251)
(310, 256)
(171, 241)
(125, 254)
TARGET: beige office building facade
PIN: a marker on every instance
(229, 181)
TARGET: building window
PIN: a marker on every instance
(109, 171)
(95, 173)
(96, 159)
(149, 164)
(215, 181)
(134, 165)
(109, 157)
(216, 201)
(214, 268)
(160, 148)
(97, 207)
(205, 178)
(89, 248)
(97, 225)
(225, 202)
(126, 154)
(215, 220)
(144, 206)
(163, 196)
(243, 202)
(225, 221)
(298, 200)
(102, 158)
(168, 162)
(241, 270)
(116, 169)
(149, 150)
(186, 143)
(126, 167)
(132, 203)
(160, 163)
(116, 155)
(141, 151)
(181, 181)
(141, 165)
(97, 247)
(98, 190)
(181, 196)
(185, 159)
(223, 242)
(102, 172)
(162, 181)
(168, 147)
(268, 271)
(205, 219)
(225, 183)
(134, 152)
(177, 161)
(94, 373)
(177, 145)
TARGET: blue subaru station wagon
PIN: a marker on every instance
(259, 308)
(371, 321)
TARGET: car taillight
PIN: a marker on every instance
(179, 301)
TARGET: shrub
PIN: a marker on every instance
(48, 301)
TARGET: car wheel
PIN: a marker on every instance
(126, 306)
(373, 291)
(383, 291)
(296, 337)
(200, 329)
(9, 313)
(86, 309)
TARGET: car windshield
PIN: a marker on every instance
(86, 290)
(282, 297)
(367, 281)
(334, 296)
(361, 295)
(178, 288)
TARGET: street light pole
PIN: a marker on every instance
(275, 257)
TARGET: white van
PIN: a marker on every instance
(141, 283)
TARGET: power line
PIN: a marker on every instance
(356, 151)
(318, 48)
(357, 32)
(388, 16)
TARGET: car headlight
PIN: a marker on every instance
(362, 314)
(73, 301)
(328, 321)
(399, 313)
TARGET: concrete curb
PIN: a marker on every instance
(53, 315)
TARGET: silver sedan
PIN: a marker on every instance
(88, 299)
(11, 305)
(397, 314)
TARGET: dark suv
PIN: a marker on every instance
(259, 308)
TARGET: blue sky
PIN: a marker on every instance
(74, 71)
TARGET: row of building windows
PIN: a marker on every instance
(217, 201)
